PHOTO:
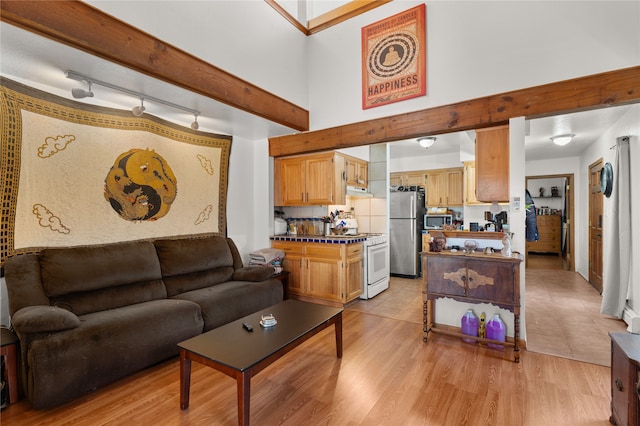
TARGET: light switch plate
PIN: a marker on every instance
(516, 203)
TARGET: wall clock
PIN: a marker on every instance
(606, 180)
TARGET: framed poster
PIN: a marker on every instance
(394, 58)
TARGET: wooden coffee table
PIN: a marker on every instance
(240, 354)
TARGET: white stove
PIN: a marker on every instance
(375, 265)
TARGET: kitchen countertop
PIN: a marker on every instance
(475, 254)
(330, 239)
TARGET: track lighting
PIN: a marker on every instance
(81, 93)
(195, 125)
(138, 110)
(427, 142)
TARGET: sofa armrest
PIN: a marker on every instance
(38, 319)
(253, 273)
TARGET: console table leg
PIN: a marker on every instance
(425, 318)
(185, 379)
(516, 337)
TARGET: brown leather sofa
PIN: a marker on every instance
(87, 316)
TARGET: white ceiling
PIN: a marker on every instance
(41, 63)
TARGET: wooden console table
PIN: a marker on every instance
(472, 278)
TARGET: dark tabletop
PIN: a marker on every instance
(237, 348)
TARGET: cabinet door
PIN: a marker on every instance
(470, 183)
(396, 179)
(492, 164)
(294, 265)
(454, 188)
(289, 174)
(351, 168)
(353, 278)
(493, 281)
(363, 174)
(416, 178)
(319, 180)
(323, 278)
(446, 276)
(434, 189)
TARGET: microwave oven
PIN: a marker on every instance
(437, 221)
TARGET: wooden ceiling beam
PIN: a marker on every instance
(86, 28)
(607, 89)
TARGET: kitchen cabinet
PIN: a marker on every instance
(625, 379)
(476, 278)
(470, 183)
(492, 164)
(418, 178)
(549, 233)
(357, 171)
(316, 179)
(323, 272)
(445, 187)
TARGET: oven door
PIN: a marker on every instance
(377, 263)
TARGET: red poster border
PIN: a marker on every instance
(385, 28)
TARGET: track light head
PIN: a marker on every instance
(138, 110)
(195, 125)
(81, 93)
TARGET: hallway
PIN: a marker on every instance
(563, 313)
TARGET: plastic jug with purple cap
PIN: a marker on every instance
(496, 330)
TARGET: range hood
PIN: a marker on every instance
(354, 191)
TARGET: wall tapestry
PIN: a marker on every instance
(77, 174)
(394, 58)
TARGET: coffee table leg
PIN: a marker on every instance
(338, 326)
(185, 379)
(244, 396)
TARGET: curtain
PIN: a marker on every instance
(617, 233)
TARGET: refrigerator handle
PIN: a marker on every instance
(413, 230)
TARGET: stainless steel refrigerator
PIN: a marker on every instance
(405, 232)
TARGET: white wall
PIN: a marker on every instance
(249, 39)
(628, 125)
(477, 48)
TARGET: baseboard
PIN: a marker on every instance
(632, 319)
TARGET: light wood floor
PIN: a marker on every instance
(387, 376)
(563, 313)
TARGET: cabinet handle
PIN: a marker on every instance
(619, 384)
(463, 278)
(638, 387)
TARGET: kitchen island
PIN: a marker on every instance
(323, 269)
(472, 278)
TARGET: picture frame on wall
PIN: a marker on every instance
(394, 58)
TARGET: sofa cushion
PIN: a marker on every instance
(76, 269)
(253, 273)
(39, 319)
(194, 263)
(113, 297)
(229, 301)
(107, 346)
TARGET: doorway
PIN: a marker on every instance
(554, 202)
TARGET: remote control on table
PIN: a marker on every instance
(247, 326)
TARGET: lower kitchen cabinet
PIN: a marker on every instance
(625, 379)
(323, 272)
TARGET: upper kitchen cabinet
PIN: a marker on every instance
(418, 178)
(492, 164)
(445, 187)
(305, 180)
(357, 171)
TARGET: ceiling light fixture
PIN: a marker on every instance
(427, 141)
(137, 110)
(81, 93)
(562, 140)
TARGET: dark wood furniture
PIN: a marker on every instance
(9, 350)
(240, 354)
(283, 277)
(625, 379)
(472, 278)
